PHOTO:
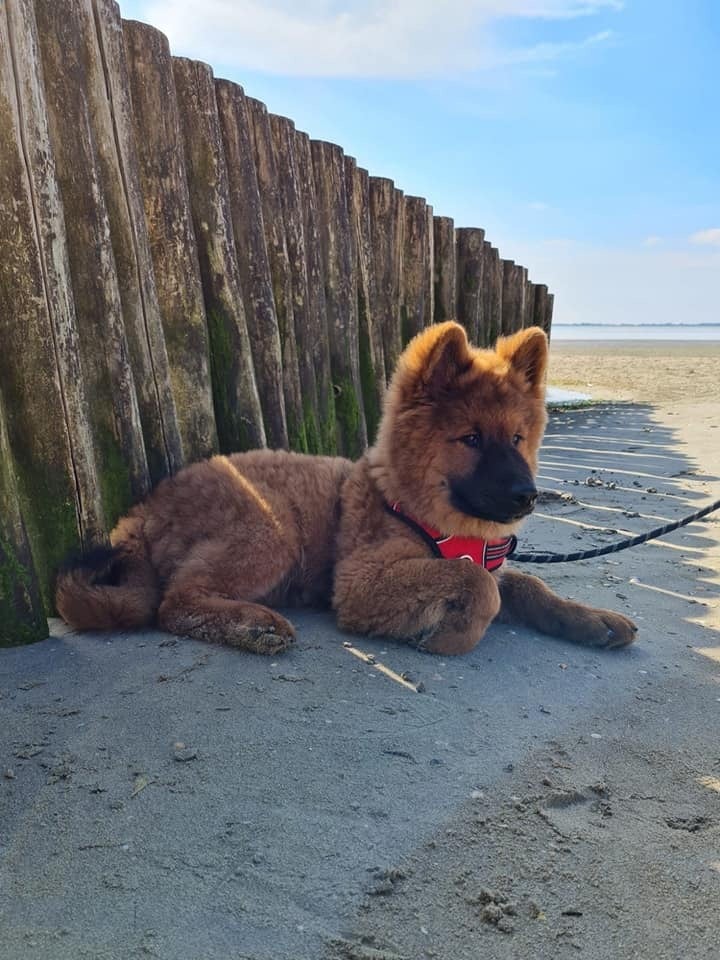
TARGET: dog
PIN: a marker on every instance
(409, 542)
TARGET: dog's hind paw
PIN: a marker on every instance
(604, 628)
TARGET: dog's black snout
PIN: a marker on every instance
(523, 496)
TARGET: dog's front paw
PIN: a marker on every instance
(269, 634)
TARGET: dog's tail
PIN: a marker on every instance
(109, 588)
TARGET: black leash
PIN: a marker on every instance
(614, 547)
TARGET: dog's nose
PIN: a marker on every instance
(523, 496)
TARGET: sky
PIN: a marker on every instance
(582, 135)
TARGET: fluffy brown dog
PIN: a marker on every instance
(215, 547)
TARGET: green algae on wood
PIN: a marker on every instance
(22, 616)
(350, 416)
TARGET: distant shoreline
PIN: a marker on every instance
(643, 326)
(636, 333)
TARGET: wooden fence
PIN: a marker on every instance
(182, 273)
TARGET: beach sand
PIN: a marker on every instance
(652, 371)
(165, 798)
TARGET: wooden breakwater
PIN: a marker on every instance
(181, 273)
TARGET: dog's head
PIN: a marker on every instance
(461, 430)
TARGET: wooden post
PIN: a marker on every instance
(22, 618)
(471, 283)
(70, 57)
(386, 232)
(40, 376)
(372, 358)
(540, 305)
(172, 242)
(445, 270)
(316, 308)
(522, 295)
(256, 283)
(236, 402)
(112, 120)
(430, 275)
(340, 297)
(547, 325)
(512, 297)
(529, 304)
(492, 293)
(268, 185)
(416, 292)
(307, 328)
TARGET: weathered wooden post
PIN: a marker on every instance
(172, 241)
(542, 307)
(529, 311)
(547, 325)
(492, 293)
(512, 296)
(340, 297)
(372, 362)
(306, 327)
(522, 295)
(111, 112)
(445, 270)
(22, 617)
(237, 406)
(69, 54)
(316, 307)
(255, 279)
(268, 184)
(40, 375)
(471, 282)
(416, 294)
(386, 232)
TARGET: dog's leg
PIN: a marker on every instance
(443, 606)
(213, 596)
(527, 600)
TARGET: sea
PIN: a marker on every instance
(638, 331)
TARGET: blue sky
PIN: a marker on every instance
(581, 134)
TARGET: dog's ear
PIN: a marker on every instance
(435, 359)
(527, 353)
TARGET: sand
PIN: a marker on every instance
(161, 798)
(653, 371)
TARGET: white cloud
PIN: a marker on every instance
(364, 37)
(708, 238)
(652, 241)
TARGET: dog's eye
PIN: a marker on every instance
(517, 440)
(473, 440)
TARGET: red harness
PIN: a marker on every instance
(490, 554)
